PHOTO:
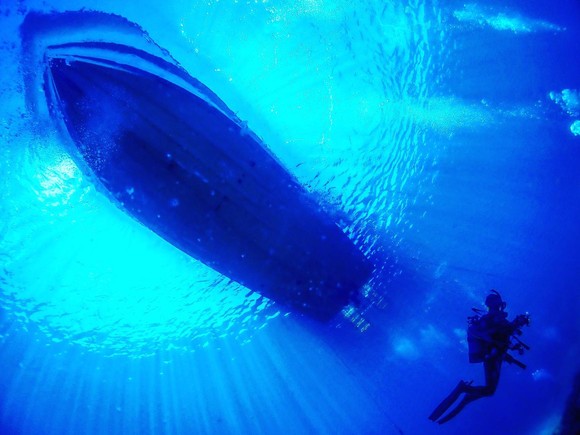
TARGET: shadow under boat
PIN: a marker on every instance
(171, 154)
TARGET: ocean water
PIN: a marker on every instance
(444, 137)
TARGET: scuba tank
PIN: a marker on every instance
(478, 330)
(478, 348)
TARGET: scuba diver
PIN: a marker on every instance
(489, 336)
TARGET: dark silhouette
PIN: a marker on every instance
(490, 336)
(168, 151)
(570, 424)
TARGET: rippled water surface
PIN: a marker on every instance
(339, 115)
(442, 137)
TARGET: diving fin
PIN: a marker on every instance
(448, 401)
(464, 402)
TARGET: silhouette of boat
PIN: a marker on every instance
(171, 154)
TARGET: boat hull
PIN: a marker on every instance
(168, 152)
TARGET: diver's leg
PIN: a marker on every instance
(464, 402)
(448, 401)
(492, 370)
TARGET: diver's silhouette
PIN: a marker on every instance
(490, 337)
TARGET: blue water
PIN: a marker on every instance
(444, 137)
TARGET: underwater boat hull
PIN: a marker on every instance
(172, 155)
